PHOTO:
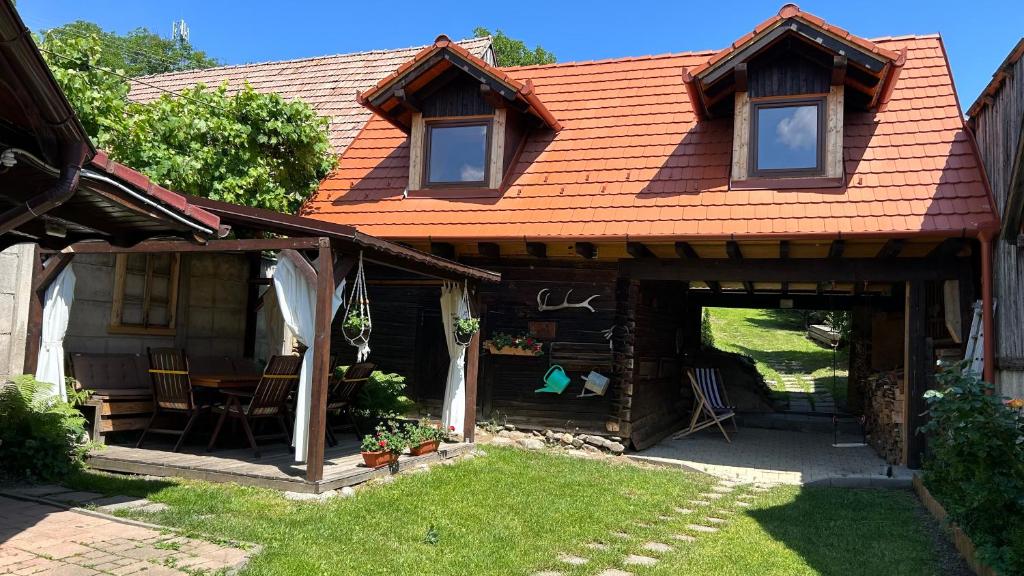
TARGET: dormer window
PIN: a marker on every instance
(787, 137)
(457, 153)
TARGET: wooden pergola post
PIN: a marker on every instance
(987, 307)
(43, 275)
(916, 371)
(472, 373)
(321, 361)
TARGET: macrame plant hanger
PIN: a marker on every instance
(462, 312)
(359, 305)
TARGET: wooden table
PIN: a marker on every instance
(225, 381)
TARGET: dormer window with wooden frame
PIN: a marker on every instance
(466, 120)
(788, 87)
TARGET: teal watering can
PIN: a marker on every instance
(555, 381)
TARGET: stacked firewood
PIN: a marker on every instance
(883, 414)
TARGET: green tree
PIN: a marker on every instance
(512, 52)
(137, 53)
(247, 148)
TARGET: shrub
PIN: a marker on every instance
(382, 396)
(41, 436)
(707, 336)
(975, 466)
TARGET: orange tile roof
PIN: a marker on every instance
(631, 161)
(328, 83)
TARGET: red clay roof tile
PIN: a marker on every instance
(631, 162)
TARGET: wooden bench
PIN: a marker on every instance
(121, 396)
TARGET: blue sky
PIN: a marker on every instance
(978, 34)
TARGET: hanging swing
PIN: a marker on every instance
(356, 326)
(464, 325)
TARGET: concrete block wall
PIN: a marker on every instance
(15, 285)
(211, 308)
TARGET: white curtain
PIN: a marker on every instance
(297, 298)
(453, 305)
(56, 310)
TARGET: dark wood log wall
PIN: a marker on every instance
(460, 97)
(508, 382)
(660, 311)
(787, 75)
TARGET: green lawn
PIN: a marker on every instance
(512, 512)
(777, 337)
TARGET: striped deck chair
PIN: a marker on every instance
(710, 403)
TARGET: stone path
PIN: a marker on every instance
(40, 538)
(632, 548)
(805, 395)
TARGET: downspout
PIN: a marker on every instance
(75, 156)
(987, 321)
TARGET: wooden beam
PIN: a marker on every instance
(321, 362)
(784, 254)
(838, 70)
(740, 74)
(50, 269)
(443, 249)
(686, 252)
(301, 264)
(489, 249)
(472, 376)
(916, 367)
(165, 246)
(948, 248)
(492, 97)
(586, 250)
(537, 249)
(406, 100)
(732, 248)
(891, 249)
(43, 275)
(252, 305)
(638, 250)
(792, 270)
(836, 249)
(343, 264)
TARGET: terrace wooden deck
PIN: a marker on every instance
(276, 468)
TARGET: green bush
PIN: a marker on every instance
(382, 396)
(707, 336)
(975, 466)
(41, 437)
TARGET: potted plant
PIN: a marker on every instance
(383, 447)
(354, 324)
(464, 329)
(424, 439)
(524, 344)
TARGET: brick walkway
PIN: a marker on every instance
(37, 538)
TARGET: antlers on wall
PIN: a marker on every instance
(542, 302)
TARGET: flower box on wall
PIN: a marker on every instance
(511, 351)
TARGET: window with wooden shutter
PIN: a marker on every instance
(145, 294)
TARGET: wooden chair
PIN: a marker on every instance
(268, 401)
(172, 392)
(342, 395)
(711, 405)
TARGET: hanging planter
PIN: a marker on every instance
(464, 329)
(357, 325)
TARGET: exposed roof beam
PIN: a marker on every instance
(948, 248)
(537, 249)
(838, 70)
(836, 249)
(638, 250)
(489, 249)
(784, 254)
(891, 249)
(793, 270)
(586, 250)
(443, 249)
(687, 253)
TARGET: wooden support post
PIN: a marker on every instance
(321, 361)
(916, 371)
(472, 374)
(252, 296)
(43, 276)
(987, 306)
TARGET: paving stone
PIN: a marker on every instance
(742, 504)
(621, 535)
(43, 490)
(77, 497)
(684, 538)
(715, 520)
(700, 502)
(664, 518)
(574, 560)
(658, 547)
(722, 489)
(613, 572)
(638, 560)
(643, 525)
(711, 496)
(547, 573)
(684, 511)
(113, 503)
(700, 528)
(596, 545)
(154, 507)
